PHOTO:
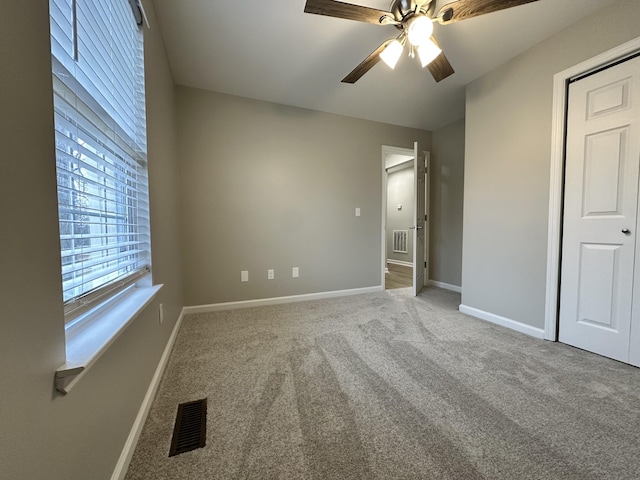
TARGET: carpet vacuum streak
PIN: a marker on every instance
(388, 386)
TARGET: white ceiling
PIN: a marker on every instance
(271, 50)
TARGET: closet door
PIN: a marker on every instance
(600, 211)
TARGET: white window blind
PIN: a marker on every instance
(100, 136)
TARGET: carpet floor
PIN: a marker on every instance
(387, 386)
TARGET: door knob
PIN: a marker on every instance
(626, 231)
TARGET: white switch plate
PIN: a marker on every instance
(270, 274)
(244, 276)
(357, 211)
(295, 272)
(161, 313)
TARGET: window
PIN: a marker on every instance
(100, 137)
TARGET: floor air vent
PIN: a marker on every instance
(190, 430)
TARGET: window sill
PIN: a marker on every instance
(88, 339)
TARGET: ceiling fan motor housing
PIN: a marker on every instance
(406, 8)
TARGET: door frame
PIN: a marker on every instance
(556, 187)
(425, 158)
(387, 150)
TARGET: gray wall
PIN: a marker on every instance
(447, 192)
(269, 186)
(507, 162)
(400, 186)
(79, 436)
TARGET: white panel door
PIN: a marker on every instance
(600, 211)
(419, 219)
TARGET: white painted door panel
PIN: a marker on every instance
(419, 220)
(601, 203)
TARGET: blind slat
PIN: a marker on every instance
(110, 272)
(106, 188)
(103, 248)
(88, 264)
(104, 237)
(91, 127)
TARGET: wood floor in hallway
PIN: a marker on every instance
(399, 276)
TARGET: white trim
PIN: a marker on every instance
(503, 322)
(130, 445)
(399, 262)
(556, 175)
(446, 286)
(383, 222)
(91, 334)
(427, 213)
(261, 302)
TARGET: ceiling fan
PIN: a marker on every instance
(414, 19)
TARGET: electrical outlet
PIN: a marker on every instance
(244, 276)
(161, 313)
(295, 272)
(271, 274)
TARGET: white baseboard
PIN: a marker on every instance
(446, 286)
(130, 445)
(215, 307)
(503, 322)
(400, 262)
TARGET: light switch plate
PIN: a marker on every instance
(244, 276)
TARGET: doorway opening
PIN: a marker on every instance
(404, 226)
(399, 241)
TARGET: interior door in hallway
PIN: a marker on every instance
(419, 224)
(600, 212)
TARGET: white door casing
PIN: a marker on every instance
(601, 204)
(427, 215)
(556, 177)
(419, 243)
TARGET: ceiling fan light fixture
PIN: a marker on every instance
(391, 54)
(428, 52)
(419, 30)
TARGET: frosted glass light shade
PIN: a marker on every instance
(419, 30)
(391, 54)
(428, 53)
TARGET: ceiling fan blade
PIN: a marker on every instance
(366, 65)
(440, 68)
(463, 9)
(331, 8)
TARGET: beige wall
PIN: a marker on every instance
(269, 186)
(507, 164)
(79, 436)
(447, 185)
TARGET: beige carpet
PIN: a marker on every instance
(386, 386)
